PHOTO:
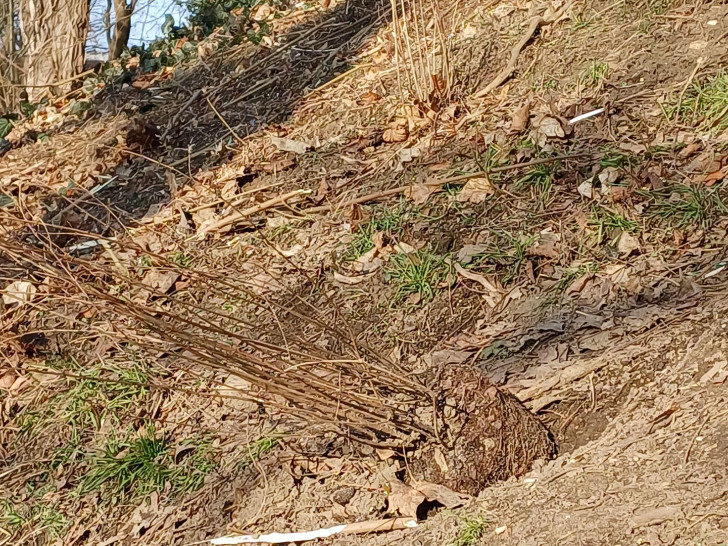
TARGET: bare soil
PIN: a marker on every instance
(592, 290)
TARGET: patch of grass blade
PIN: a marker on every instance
(146, 464)
(689, 205)
(540, 181)
(471, 531)
(507, 253)
(257, 449)
(706, 101)
(388, 221)
(39, 519)
(606, 222)
(595, 74)
(418, 272)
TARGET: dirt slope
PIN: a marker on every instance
(592, 287)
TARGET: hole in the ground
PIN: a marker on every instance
(428, 509)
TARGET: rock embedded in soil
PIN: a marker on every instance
(490, 436)
(344, 495)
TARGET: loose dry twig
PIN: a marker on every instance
(53, 84)
(698, 64)
(453, 180)
(535, 24)
(225, 123)
(504, 74)
(237, 216)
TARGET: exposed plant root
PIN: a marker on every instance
(492, 436)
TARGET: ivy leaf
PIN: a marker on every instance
(5, 127)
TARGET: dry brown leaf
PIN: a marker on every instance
(289, 145)
(377, 241)
(204, 216)
(20, 292)
(420, 193)
(627, 244)
(653, 516)
(586, 189)
(384, 454)
(447, 497)
(689, 150)
(404, 499)
(550, 127)
(477, 278)
(446, 356)
(579, 284)
(712, 178)
(345, 279)
(370, 97)
(159, 280)
(441, 461)
(520, 118)
(397, 131)
(7, 380)
(466, 254)
(476, 190)
(546, 246)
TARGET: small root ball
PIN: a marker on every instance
(490, 436)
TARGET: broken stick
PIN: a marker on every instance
(535, 24)
(453, 180)
(240, 215)
(350, 529)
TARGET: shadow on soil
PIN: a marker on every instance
(250, 93)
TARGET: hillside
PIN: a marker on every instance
(553, 213)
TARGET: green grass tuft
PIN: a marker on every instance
(606, 223)
(471, 531)
(145, 464)
(418, 272)
(539, 181)
(595, 74)
(689, 205)
(36, 520)
(257, 449)
(706, 102)
(181, 259)
(389, 221)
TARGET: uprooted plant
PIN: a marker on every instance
(455, 427)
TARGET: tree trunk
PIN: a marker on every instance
(54, 36)
(122, 27)
(10, 75)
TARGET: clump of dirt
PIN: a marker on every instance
(493, 436)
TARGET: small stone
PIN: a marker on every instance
(344, 495)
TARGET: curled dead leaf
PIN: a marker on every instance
(489, 286)
(20, 292)
(397, 131)
(520, 118)
(289, 145)
(420, 193)
(550, 127)
(159, 280)
(627, 244)
(404, 499)
(476, 190)
(434, 492)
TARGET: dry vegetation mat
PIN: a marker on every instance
(462, 266)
